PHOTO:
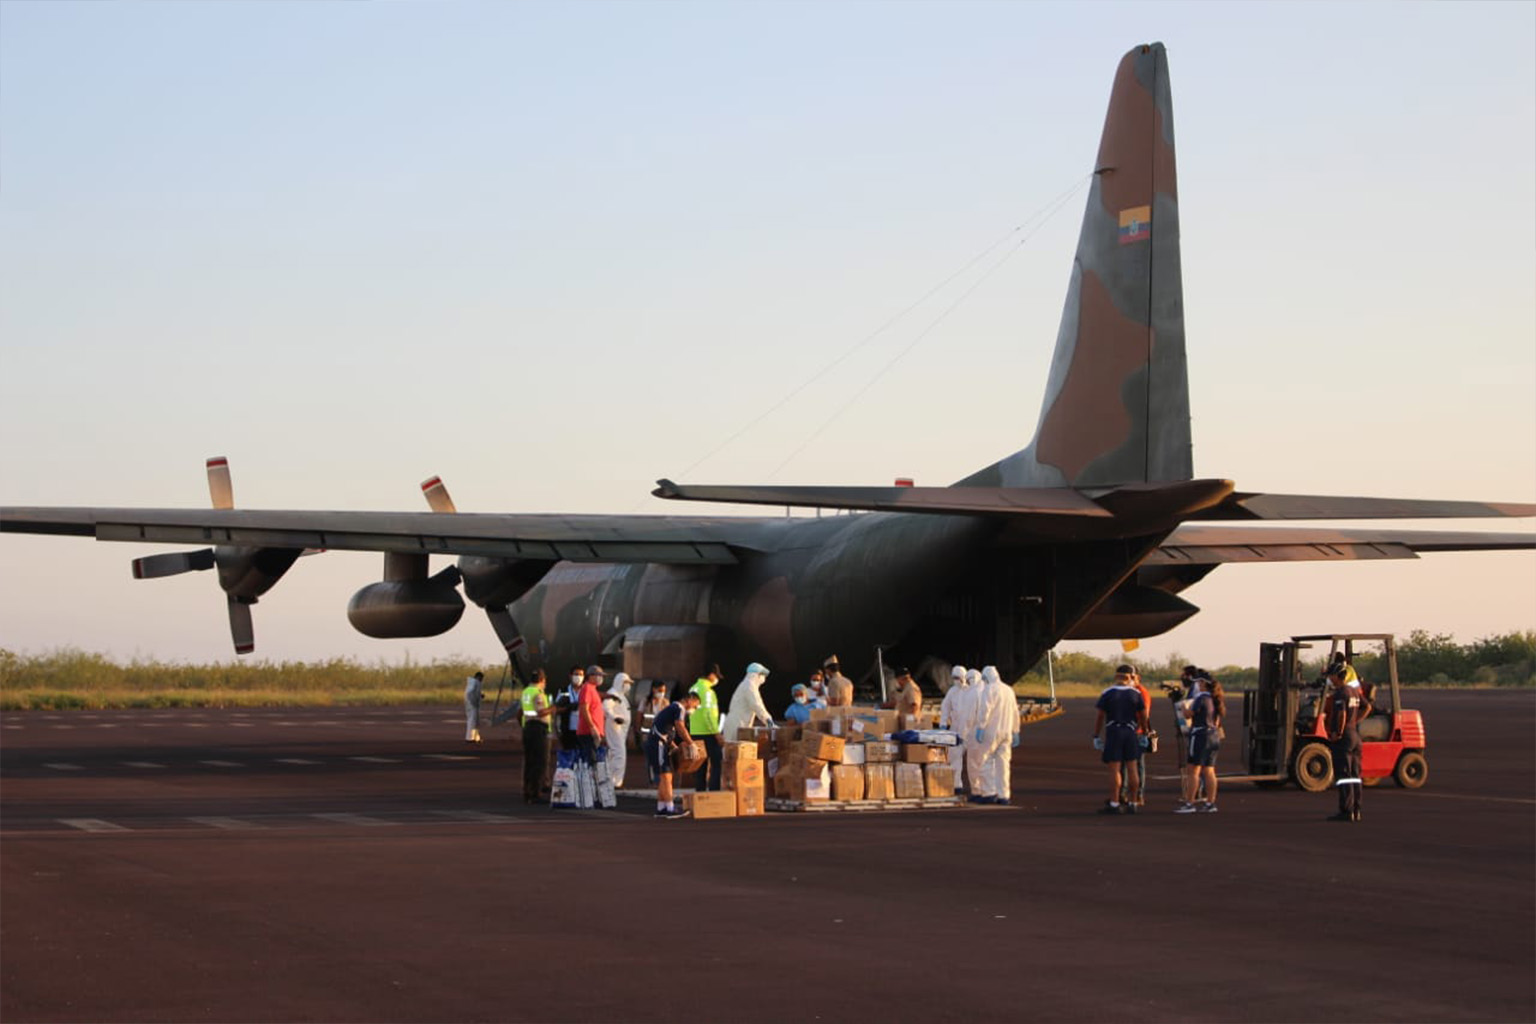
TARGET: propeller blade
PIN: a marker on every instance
(437, 495)
(172, 563)
(240, 628)
(506, 629)
(219, 488)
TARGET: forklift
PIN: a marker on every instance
(1286, 737)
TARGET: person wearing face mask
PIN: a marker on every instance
(566, 713)
(616, 714)
(954, 715)
(747, 707)
(816, 691)
(799, 710)
(969, 714)
(997, 731)
(473, 695)
(704, 725)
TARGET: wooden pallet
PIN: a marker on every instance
(911, 804)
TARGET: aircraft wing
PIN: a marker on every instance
(596, 538)
(1252, 505)
(1215, 545)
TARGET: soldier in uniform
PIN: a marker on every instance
(1341, 717)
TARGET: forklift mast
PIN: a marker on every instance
(1269, 713)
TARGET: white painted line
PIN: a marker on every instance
(285, 723)
(243, 725)
(229, 823)
(451, 757)
(59, 766)
(140, 764)
(13, 727)
(376, 760)
(222, 764)
(93, 825)
(195, 725)
(296, 760)
(61, 727)
(352, 819)
(477, 816)
(106, 725)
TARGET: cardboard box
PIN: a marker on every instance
(690, 757)
(909, 782)
(853, 753)
(741, 750)
(711, 805)
(814, 785)
(939, 779)
(799, 764)
(871, 723)
(921, 720)
(785, 739)
(821, 747)
(879, 782)
(847, 782)
(881, 751)
(744, 775)
(924, 753)
(819, 786)
(751, 801)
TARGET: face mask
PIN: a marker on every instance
(576, 680)
(800, 699)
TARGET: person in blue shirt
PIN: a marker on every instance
(1122, 716)
(799, 710)
(669, 730)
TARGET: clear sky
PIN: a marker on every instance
(556, 251)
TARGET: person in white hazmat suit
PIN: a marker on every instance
(969, 710)
(473, 695)
(955, 714)
(997, 733)
(616, 711)
(747, 708)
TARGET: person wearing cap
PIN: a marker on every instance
(1120, 710)
(1137, 797)
(704, 725)
(799, 710)
(747, 707)
(591, 722)
(671, 729)
(536, 712)
(473, 695)
(1205, 713)
(616, 726)
(839, 686)
(907, 699)
(1342, 712)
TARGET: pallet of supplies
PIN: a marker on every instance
(909, 781)
(879, 782)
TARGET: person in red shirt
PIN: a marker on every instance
(591, 722)
(1138, 798)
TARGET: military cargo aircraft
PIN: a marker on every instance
(1092, 531)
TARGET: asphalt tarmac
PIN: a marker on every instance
(275, 865)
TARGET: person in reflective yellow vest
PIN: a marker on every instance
(704, 726)
(536, 713)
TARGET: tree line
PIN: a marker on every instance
(1423, 659)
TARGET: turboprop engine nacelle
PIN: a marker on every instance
(415, 606)
(497, 582)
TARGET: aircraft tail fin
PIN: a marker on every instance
(1116, 407)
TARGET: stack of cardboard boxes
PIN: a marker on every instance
(842, 755)
(745, 779)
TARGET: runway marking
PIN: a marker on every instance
(61, 727)
(452, 757)
(15, 727)
(228, 823)
(486, 816)
(93, 825)
(60, 766)
(222, 764)
(195, 725)
(296, 760)
(140, 764)
(342, 818)
(106, 725)
(375, 760)
(243, 725)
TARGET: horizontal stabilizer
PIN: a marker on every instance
(1323, 506)
(172, 563)
(1218, 545)
(1045, 501)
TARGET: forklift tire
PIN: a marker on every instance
(1412, 770)
(1313, 768)
(1369, 783)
